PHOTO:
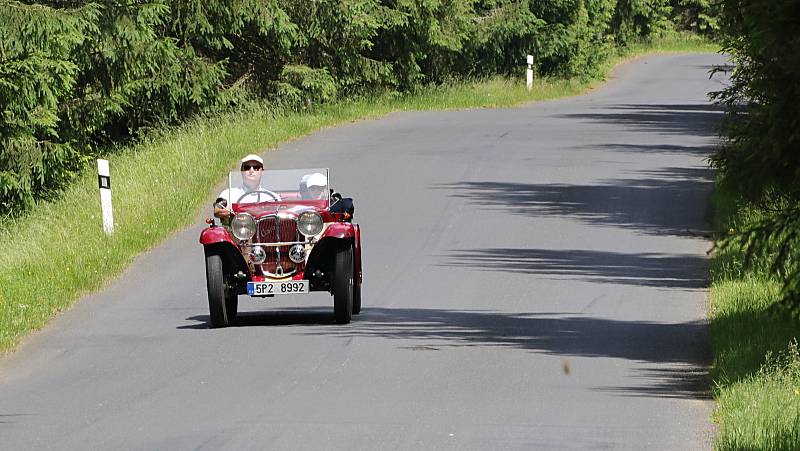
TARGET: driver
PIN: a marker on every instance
(251, 190)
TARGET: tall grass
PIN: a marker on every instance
(58, 252)
(756, 369)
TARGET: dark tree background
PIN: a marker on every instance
(760, 162)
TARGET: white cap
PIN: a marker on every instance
(253, 157)
(317, 179)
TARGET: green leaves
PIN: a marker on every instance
(37, 74)
(303, 87)
(759, 160)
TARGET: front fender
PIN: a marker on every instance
(214, 235)
(341, 230)
(331, 240)
(218, 240)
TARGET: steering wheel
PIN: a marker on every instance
(274, 196)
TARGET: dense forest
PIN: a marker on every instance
(78, 77)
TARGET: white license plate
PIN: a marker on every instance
(271, 288)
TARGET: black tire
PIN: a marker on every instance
(217, 291)
(356, 299)
(342, 285)
(231, 304)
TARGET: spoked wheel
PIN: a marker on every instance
(218, 292)
(342, 286)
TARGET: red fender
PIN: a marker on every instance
(220, 240)
(348, 230)
(214, 235)
(342, 230)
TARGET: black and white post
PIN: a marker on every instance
(104, 181)
(529, 73)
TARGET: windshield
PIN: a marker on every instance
(285, 185)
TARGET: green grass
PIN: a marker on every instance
(58, 252)
(756, 369)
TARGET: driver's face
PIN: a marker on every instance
(251, 173)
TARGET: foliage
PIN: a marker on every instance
(302, 86)
(760, 161)
(699, 16)
(503, 34)
(635, 18)
(339, 35)
(37, 74)
(255, 39)
(73, 79)
(754, 375)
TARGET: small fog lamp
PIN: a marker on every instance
(297, 253)
(258, 254)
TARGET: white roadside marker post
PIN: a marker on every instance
(104, 181)
(529, 73)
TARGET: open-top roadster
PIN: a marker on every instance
(282, 239)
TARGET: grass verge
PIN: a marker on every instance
(58, 252)
(756, 369)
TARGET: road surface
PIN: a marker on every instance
(534, 278)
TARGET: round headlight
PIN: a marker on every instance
(310, 223)
(243, 226)
(258, 255)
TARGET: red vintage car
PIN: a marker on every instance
(287, 235)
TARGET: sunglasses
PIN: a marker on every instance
(247, 167)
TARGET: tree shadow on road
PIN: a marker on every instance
(666, 149)
(682, 345)
(688, 381)
(682, 348)
(12, 417)
(643, 269)
(668, 201)
(695, 120)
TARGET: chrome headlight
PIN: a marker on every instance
(243, 226)
(309, 223)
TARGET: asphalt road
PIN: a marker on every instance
(535, 278)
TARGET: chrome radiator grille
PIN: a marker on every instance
(274, 229)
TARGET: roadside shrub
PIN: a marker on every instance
(302, 86)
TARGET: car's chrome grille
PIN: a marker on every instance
(273, 229)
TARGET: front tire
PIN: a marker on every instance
(231, 303)
(356, 299)
(342, 285)
(217, 291)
